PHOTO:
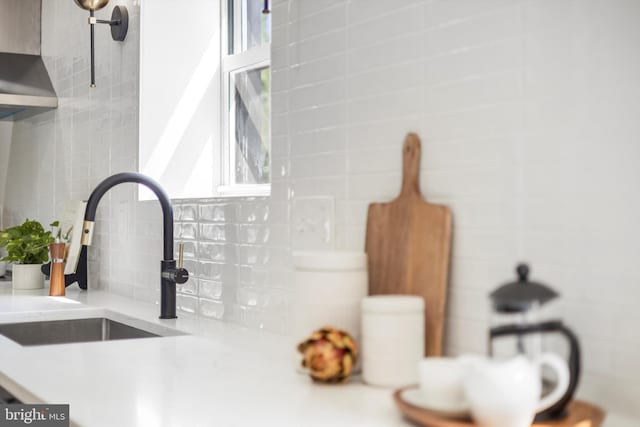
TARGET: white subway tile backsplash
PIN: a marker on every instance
(213, 232)
(475, 61)
(187, 231)
(382, 133)
(187, 303)
(279, 85)
(527, 111)
(474, 92)
(254, 212)
(324, 45)
(324, 164)
(190, 287)
(319, 141)
(401, 50)
(301, 9)
(279, 14)
(218, 252)
(446, 12)
(279, 37)
(330, 186)
(386, 106)
(374, 187)
(397, 22)
(325, 116)
(496, 25)
(212, 309)
(190, 249)
(215, 213)
(312, 96)
(187, 212)
(252, 234)
(382, 160)
(211, 289)
(210, 270)
(330, 19)
(491, 121)
(279, 213)
(386, 79)
(317, 70)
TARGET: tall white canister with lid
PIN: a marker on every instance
(328, 289)
(392, 339)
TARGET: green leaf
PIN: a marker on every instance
(27, 243)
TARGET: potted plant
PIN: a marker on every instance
(27, 247)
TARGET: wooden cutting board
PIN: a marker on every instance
(408, 245)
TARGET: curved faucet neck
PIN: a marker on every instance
(163, 198)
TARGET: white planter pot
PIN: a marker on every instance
(27, 276)
(3, 264)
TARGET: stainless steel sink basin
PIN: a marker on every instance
(70, 331)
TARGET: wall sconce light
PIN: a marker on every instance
(119, 24)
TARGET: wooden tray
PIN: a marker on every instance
(581, 414)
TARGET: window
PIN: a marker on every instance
(246, 109)
(204, 119)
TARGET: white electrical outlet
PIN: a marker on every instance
(313, 223)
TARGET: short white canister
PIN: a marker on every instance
(328, 289)
(392, 339)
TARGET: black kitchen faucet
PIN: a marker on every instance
(170, 273)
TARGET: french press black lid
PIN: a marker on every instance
(521, 295)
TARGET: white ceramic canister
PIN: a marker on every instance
(392, 339)
(328, 288)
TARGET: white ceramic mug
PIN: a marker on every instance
(507, 393)
(442, 385)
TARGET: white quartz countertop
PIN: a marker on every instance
(219, 375)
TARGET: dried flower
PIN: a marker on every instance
(329, 355)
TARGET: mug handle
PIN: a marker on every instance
(559, 366)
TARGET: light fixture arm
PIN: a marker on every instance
(93, 20)
(119, 24)
(93, 54)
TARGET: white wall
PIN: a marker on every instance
(528, 113)
(180, 96)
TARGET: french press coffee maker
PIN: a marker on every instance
(518, 329)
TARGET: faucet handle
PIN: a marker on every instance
(180, 255)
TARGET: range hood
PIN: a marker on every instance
(25, 86)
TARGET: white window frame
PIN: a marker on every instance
(254, 58)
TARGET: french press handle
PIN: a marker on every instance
(557, 410)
